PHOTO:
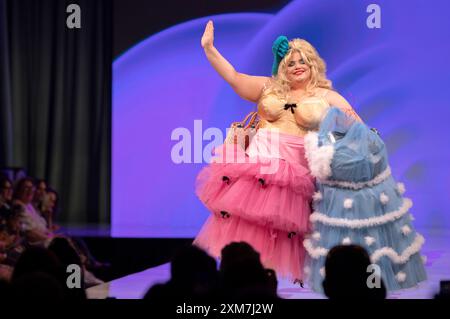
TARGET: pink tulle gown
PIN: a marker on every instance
(264, 200)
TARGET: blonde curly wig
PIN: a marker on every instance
(280, 85)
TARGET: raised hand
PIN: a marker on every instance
(246, 86)
(279, 50)
(208, 35)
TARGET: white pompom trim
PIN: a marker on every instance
(400, 276)
(348, 203)
(362, 223)
(315, 253)
(369, 240)
(322, 271)
(316, 235)
(401, 188)
(384, 199)
(406, 230)
(317, 196)
(319, 162)
(346, 241)
(306, 270)
(404, 257)
(359, 185)
(319, 158)
(414, 248)
(424, 259)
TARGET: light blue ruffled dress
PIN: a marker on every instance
(358, 202)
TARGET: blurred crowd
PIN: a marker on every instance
(241, 276)
(36, 255)
(28, 209)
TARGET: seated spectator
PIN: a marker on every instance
(45, 201)
(36, 231)
(6, 192)
(33, 224)
(346, 274)
(39, 194)
(48, 208)
(5, 270)
(193, 276)
(13, 243)
(5, 212)
(243, 276)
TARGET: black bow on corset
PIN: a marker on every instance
(290, 106)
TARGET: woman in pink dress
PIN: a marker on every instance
(265, 199)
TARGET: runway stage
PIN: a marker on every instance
(436, 250)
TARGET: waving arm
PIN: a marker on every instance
(246, 86)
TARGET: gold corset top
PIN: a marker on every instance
(306, 114)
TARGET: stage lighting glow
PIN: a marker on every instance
(396, 77)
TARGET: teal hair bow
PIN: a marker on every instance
(279, 49)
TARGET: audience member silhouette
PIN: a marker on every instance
(194, 277)
(243, 276)
(346, 274)
(38, 286)
(36, 265)
(6, 191)
(67, 255)
(5, 290)
(37, 259)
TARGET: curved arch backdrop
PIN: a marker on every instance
(396, 77)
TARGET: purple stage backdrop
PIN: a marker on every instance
(165, 95)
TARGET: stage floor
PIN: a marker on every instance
(436, 250)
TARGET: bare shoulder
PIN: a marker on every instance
(323, 92)
(332, 94)
(249, 87)
(265, 82)
(334, 98)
